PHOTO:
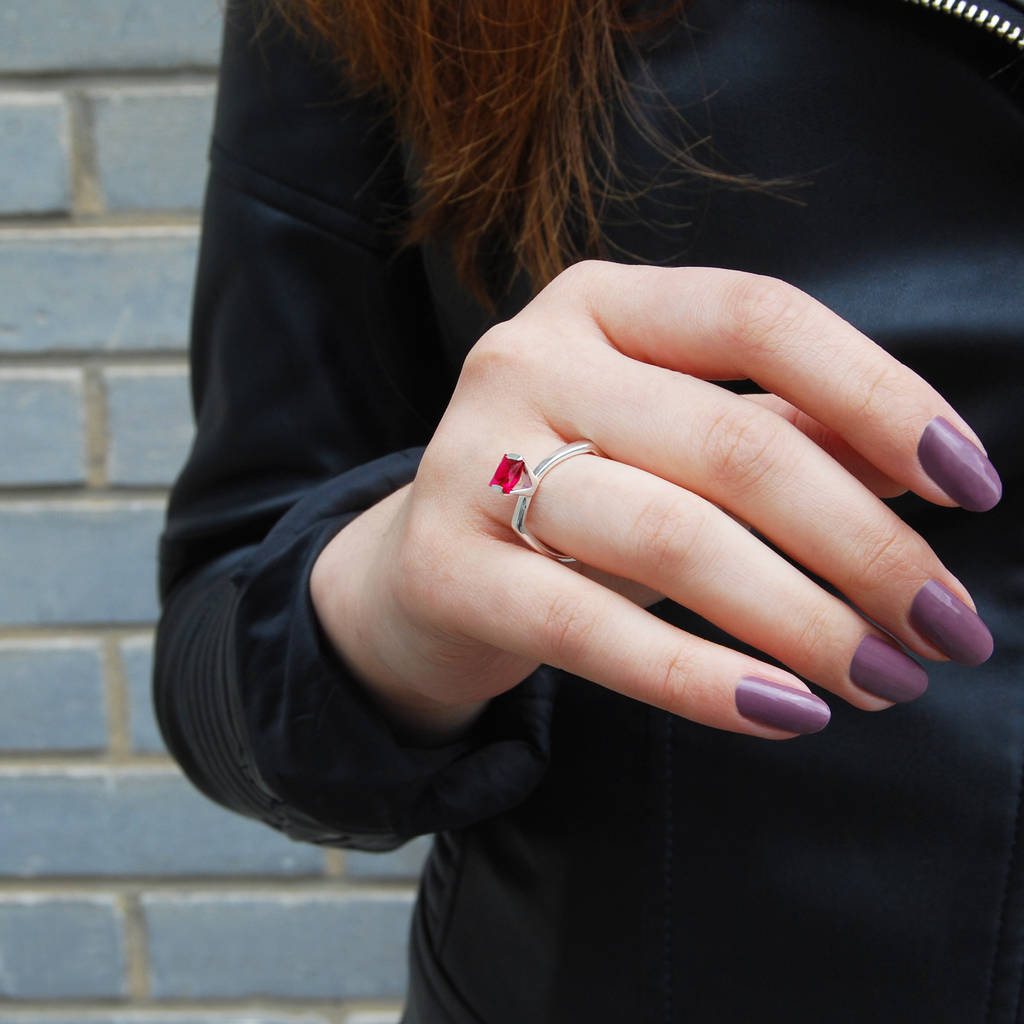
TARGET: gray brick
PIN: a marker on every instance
(41, 423)
(151, 146)
(58, 35)
(405, 862)
(317, 946)
(95, 821)
(149, 422)
(137, 663)
(79, 561)
(60, 947)
(52, 696)
(106, 288)
(34, 152)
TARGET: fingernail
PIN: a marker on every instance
(884, 670)
(943, 619)
(958, 467)
(781, 707)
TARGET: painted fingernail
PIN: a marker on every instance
(781, 707)
(884, 670)
(958, 467)
(943, 619)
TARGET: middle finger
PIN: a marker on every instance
(756, 465)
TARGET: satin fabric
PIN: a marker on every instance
(598, 860)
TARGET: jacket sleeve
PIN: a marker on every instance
(317, 380)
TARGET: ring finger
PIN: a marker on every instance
(631, 524)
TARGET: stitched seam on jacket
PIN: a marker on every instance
(419, 949)
(452, 896)
(1007, 884)
(221, 150)
(327, 217)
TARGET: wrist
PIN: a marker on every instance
(367, 635)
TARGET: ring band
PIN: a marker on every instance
(509, 479)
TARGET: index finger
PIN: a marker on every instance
(726, 325)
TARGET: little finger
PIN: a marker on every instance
(547, 613)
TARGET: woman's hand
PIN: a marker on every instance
(438, 606)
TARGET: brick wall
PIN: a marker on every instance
(124, 895)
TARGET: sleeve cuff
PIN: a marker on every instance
(317, 741)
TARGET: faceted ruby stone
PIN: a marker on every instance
(508, 473)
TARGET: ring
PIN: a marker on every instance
(509, 479)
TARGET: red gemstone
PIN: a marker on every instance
(508, 473)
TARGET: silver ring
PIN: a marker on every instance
(515, 476)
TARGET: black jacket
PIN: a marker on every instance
(598, 860)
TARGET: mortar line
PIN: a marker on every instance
(40, 634)
(49, 762)
(118, 728)
(84, 497)
(121, 226)
(69, 359)
(136, 947)
(287, 888)
(86, 193)
(30, 226)
(368, 1006)
(334, 863)
(62, 79)
(166, 1009)
(97, 429)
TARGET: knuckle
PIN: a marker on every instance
(881, 557)
(496, 353)
(875, 392)
(815, 632)
(764, 312)
(580, 275)
(672, 682)
(567, 629)
(515, 351)
(510, 359)
(583, 284)
(738, 449)
(666, 537)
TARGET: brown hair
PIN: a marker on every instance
(508, 106)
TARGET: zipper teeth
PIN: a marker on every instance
(978, 15)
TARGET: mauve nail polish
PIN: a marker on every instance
(884, 670)
(958, 467)
(782, 707)
(942, 618)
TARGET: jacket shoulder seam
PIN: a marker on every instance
(305, 206)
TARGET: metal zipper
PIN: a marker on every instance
(977, 15)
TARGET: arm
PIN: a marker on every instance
(317, 378)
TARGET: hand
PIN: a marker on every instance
(438, 606)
